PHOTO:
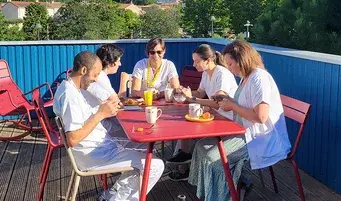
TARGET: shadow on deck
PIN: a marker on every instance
(21, 161)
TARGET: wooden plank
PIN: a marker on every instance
(3, 144)
(35, 168)
(313, 189)
(87, 188)
(7, 164)
(17, 184)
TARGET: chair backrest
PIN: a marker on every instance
(11, 97)
(51, 135)
(60, 126)
(125, 84)
(297, 111)
(190, 77)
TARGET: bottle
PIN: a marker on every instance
(181, 197)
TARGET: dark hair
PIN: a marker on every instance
(152, 43)
(84, 58)
(245, 55)
(205, 52)
(109, 54)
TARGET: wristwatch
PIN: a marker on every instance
(193, 99)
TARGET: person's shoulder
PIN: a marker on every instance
(142, 63)
(65, 89)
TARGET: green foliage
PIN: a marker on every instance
(35, 22)
(160, 23)
(96, 19)
(9, 32)
(132, 24)
(243, 10)
(196, 18)
(301, 25)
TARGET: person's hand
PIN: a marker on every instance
(156, 94)
(227, 104)
(219, 97)
(206, 108)
(187, 92)
(108, 109)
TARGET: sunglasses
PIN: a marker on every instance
(152, 52)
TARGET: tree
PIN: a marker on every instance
(243, 10)
(196, 18)
(160, 23)
(95, 19)
(36, 22)
(300, 24)
(132, 24)
(9, 33)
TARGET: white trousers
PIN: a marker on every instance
(127, 186)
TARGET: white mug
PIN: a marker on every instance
(169, 94)
(195, 111)
(152, 114)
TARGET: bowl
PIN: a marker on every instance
(179, 98)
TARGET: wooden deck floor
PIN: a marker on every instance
(21, 161)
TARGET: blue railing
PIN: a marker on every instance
(307, 76)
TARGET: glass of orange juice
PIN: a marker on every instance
(148, 97)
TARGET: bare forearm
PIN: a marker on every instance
(74, 137)
(246, 113)
(207, 102)
(137, 93)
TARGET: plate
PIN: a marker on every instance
(200, 119)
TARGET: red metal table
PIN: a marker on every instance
(172, 125)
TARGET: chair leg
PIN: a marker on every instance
(43, 168)
(273, 179)
(75, 188)
(70, 185)
(44, 175)
(261, 177)
(298, 179)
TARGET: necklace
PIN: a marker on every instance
(151, 82)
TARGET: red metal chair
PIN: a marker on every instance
(190, 77)
(13, 102)
(297, 111)
(53, 138)
(54, 141)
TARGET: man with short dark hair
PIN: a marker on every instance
(91, 145)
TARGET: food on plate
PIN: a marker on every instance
(131, 101)
(206, 115)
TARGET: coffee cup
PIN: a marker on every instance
(152, 114)
(169, 94)
(195, 110)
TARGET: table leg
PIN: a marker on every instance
(149, 155)
(227, 170)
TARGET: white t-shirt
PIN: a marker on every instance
(97, 148)
(267, 143)
(167, 72)
(221, 80)
(101, 89)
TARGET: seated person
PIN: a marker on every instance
(110, 56)
(88, 139)
(216, 80)
(154, 71)
(257, 106)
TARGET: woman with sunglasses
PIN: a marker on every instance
(154, 71)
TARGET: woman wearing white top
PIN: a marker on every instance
(110, 55)
(257, 106)
(216, 80)
(154, 71)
